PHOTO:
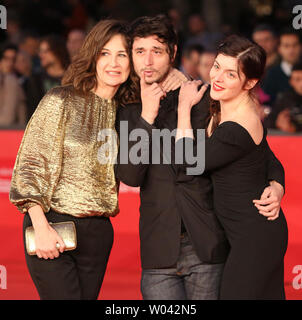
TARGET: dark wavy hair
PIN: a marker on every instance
(159, 25)
(251, 62)
(57, 46)
(81, 73)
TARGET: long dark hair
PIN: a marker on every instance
(82, 71)
(251, 61)
(57, 46)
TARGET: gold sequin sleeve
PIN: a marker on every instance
(38, 163)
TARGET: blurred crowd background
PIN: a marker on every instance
(42, 36)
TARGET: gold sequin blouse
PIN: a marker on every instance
(58, 165)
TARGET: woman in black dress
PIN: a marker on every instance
(235, 155)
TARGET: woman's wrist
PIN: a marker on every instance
(184, 112)
(147, 117)
(184, 106)
(184, 120)
(37, 217)
(184, 133)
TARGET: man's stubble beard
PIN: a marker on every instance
(161, 78)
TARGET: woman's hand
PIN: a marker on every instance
(189, 94)
(46, 238)
(174, 80)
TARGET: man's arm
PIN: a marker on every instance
(270, 201)
(134, 122)
(126, 170)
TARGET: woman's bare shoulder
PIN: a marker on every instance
(252, 123)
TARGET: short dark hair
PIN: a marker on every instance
(6, 47)
(187, 51)
(160, 26)
(289, 31)
(28, 34)
(265, 27)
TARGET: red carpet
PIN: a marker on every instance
(122, 279)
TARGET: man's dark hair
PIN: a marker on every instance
(265, 27)
(159, 26)
(187, 51)
(6, 47)
(289, 31)
(28, 34)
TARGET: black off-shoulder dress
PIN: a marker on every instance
(255, 266)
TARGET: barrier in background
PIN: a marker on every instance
(287, 148)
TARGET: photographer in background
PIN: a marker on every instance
(277, 76)
(8, 56)
(265, 36)
(287, 112)
(206, 62)
(75, 40)
(54, 60)
(190, 60)
(12, 99)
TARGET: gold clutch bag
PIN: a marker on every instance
(66, 230)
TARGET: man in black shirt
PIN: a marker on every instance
(183, 247)
(277, 76)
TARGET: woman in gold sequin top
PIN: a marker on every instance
(58, 175)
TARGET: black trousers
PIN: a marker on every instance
(76, 274)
